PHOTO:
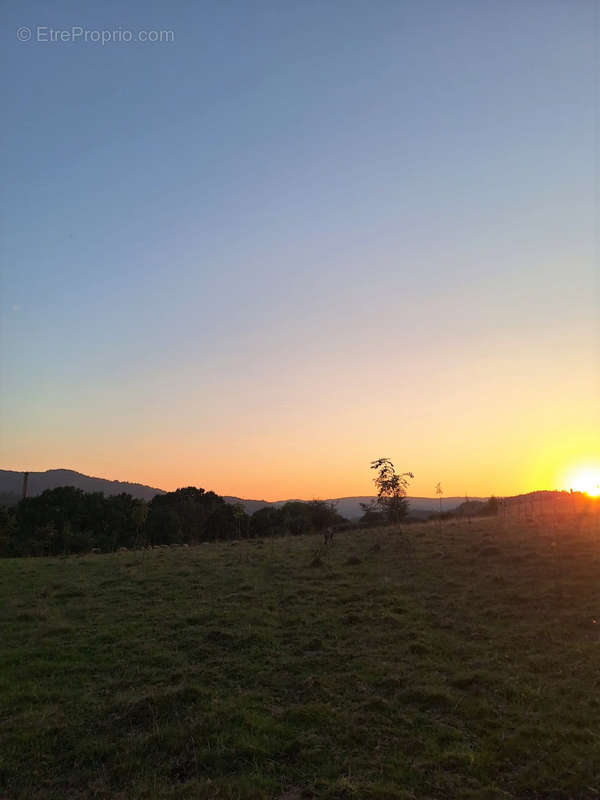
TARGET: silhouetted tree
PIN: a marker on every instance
(267, 521)
(192, 515)
(492, 506)
(225, 522)
(323, 514)
(242, 520)
(391, 489)
(372, 515)
(439, 491)
(68, 520)
(296, 518)
(8, 529)
(162, 526)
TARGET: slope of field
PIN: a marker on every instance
(454, 662)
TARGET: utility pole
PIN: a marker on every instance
(25, 482)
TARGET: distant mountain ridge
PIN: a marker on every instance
(11, 488)
(350, 507)
(11, 482)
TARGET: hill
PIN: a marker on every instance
(422, 662)
(11, 483)
(11, 490)
(350, 507)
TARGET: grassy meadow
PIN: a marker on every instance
(424, 661)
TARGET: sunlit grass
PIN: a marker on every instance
(433, 662)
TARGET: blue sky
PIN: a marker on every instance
(297, 226)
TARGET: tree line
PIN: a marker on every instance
(67, 520)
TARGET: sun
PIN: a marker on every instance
(586, 480)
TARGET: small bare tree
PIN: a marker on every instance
(439, 491)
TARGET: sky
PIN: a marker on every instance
(297, 237)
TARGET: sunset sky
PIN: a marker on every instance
(301, 236)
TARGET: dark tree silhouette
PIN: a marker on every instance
(68, 520)
(391, 489)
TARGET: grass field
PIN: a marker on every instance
(424, 662)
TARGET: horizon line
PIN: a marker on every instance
(467, 497)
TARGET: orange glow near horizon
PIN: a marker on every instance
(298, 435)
(306, 474)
